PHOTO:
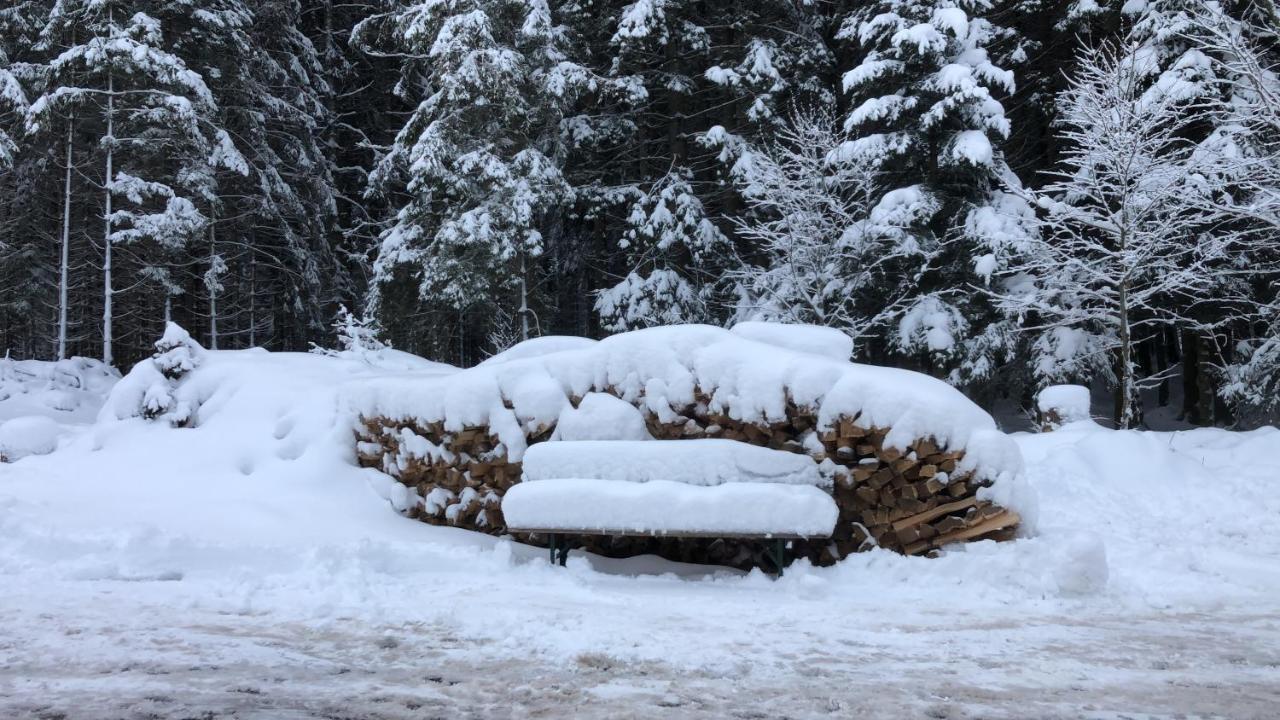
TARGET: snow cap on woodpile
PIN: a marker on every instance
(659, 369)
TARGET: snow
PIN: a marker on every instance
(601, 416)
(537, 347)
(68, 391)
(32, 435)
(1070, 402)
(705, 462)
(245, 567)
(660, 368)
(973, 147)
(827, 342)
(662, 506)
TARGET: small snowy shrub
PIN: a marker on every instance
(149, 389)
(357, 337)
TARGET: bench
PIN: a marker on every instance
(770, 512)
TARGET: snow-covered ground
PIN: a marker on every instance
(247, 569)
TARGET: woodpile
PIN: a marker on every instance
(912, 500)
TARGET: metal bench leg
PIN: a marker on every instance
(558, 548)
(777, 552)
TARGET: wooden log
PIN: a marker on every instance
(880, 478)
(867, 494)
(930, 515)
(888, 454)
(925, 447)
(1005, 519)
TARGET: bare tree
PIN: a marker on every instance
(1136, 231)
(831, 246)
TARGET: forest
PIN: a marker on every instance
(1003, 194)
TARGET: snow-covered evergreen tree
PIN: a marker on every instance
(674, 256)
(481, 156)
(158, 136)
(13, 102)
(927, 114)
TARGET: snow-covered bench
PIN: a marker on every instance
(681, 488)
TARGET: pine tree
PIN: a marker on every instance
(927, 114)
(481, 156)
(159, 140)
(675, 255)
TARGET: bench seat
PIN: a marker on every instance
(773, 512)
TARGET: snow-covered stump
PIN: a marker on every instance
(1058, 405)
(904, 493)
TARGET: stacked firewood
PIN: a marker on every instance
(913, 500)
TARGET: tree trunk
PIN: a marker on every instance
(524, 300)
(1190, 377)
(107, 291)
(1160, 343)
(1205, 380)
(213, 284)
(64, 264)
(1125, 400)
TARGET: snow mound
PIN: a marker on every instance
(827, 342)
(668, 369)
(537, 347)
(601, 416)
(706, 462)
(33, 435)
(1060, 404)
(662, 507)
(69, 390)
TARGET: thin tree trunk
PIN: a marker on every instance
(213, 284)
(524, 300)
(253, 294)
(1160, 348)
(64, 264)
(1190, 377)
(107, 291)
(1209, 350)
(1125, 401)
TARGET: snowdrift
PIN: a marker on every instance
(67, 391)
(913, 464)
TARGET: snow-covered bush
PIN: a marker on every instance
(63, 386)
(357, 337)
(149, 389)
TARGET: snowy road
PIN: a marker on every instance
(138, 653)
